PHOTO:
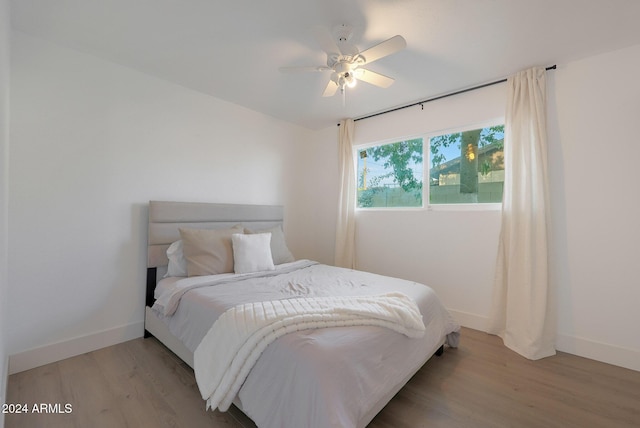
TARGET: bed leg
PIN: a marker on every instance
(440, 351)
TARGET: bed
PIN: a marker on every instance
(325, 369)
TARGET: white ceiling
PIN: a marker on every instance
(232, 49)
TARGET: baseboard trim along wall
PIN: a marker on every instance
(466, 319)
(603, 352)
(70, 348)
(4, 383)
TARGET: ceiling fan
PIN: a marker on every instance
(346, 62)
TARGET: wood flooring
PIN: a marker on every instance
(481, 384)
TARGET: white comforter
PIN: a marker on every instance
(247, 329)
(328, 377)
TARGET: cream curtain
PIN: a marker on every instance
(523, 311)
(345, 227)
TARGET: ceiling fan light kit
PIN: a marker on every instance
(346, 61)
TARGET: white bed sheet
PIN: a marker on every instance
(164, 285)
(330, 377)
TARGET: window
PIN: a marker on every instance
(390, 175)
(466, 167)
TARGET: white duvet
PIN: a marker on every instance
(247, 329)
(326, 377)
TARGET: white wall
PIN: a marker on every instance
(451, 251)
(593, 157)
(314, 197)
(596, 207)
(4, 148)
(92, 143)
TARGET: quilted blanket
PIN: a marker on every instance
(234, 343)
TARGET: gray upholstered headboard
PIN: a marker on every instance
(165, 218)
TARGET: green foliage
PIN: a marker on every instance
(365, 197)
(485, 167)
(396, 157)
(491, 135)
(442, 141)
(398, 160)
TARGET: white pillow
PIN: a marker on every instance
(252, 253)
(177, 262)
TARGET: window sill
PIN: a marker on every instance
(465, 207)
(438, 207)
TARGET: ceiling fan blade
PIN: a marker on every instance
(374, 78)
(331, 89)
(304, 69)
(382, 49)
(325, 40)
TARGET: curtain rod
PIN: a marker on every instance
(439, 97)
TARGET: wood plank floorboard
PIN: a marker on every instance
(481, 384)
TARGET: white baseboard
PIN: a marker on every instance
(466, 319)
(70, 348)
(603, 352)
(4, 373)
